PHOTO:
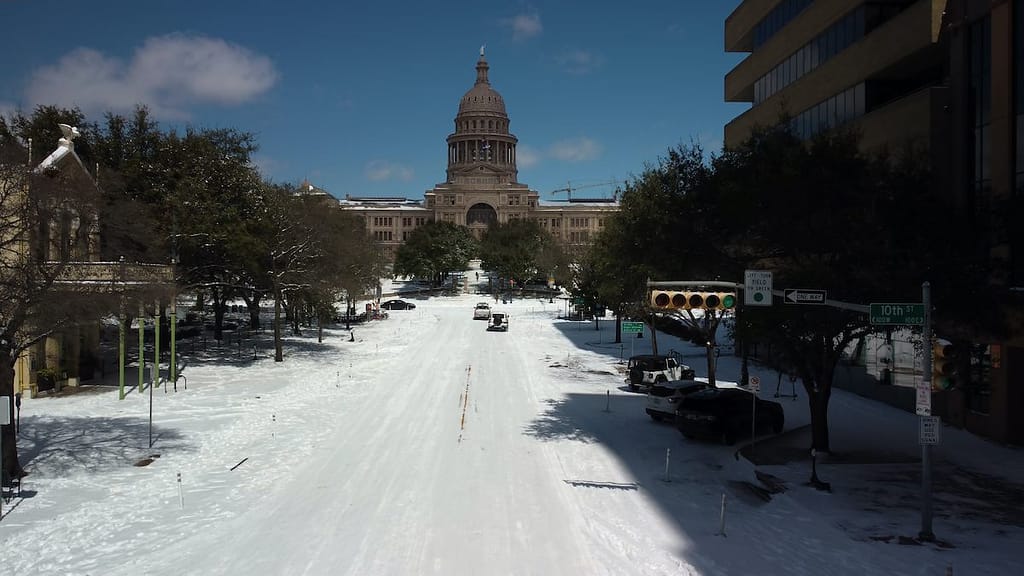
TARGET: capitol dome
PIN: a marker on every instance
(482, 97)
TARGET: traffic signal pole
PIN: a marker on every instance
(926, 533)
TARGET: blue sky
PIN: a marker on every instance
(359, 97)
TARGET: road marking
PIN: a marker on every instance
(465, 402)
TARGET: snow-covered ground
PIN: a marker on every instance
(430, 446)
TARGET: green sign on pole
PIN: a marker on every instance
(911, 314)
(632, 327)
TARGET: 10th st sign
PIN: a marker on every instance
(897, 313)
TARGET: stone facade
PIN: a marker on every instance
(482, 184)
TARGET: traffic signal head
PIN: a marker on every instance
(692, 300)
(944, 365)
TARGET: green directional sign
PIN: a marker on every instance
(908, 314)
(632, 327)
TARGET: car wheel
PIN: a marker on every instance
(777, 426)
(661, 378)
(655, 416)
(688, 436)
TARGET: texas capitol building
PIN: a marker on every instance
(481, 186)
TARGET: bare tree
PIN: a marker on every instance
(47, 226)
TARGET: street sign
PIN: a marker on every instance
(897, 313)
(755, 383)
(800, 296)
(632, 327)
(757, 288)
(924, 398)
(929, 430)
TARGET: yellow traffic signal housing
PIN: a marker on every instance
(692, 300)
(719, 300)
(944, 365)
(667, 300)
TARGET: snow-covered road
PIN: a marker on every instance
(426, 446)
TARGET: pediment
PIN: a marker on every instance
(480, 170)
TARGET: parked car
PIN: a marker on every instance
(725, 414)
(665, 397)
(498, 322)
(647, 369)
(482, 311)
(398, 305)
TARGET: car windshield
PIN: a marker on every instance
(651, 364)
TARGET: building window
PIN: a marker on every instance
(844, 107)
(777, 19)
(406, 222)
(829, 43)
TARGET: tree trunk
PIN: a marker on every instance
(618, 327)
(654, 336)
(319, 329)
(220, 306)
(278, 351)
(819, 421)
(12, 467)
(253, 306)
(710, 347)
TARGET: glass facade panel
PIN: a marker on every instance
(815, 53)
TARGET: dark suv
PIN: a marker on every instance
(725, 414)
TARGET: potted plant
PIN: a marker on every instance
(46, 379)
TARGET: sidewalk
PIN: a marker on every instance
(875, 468)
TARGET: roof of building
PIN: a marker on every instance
(482, 97)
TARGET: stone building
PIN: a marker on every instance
(65, 250)
(481, 185)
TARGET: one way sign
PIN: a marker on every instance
(798, 296)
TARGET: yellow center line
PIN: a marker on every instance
(465, 402)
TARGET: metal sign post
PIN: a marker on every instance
(926, 449)
(5, 419)
(755, 387)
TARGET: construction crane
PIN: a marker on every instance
(569, 188)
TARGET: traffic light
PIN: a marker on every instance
(944, 365)
(692, 300)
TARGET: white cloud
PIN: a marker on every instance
(579, 61)
(526, 157)
(167, 74)
(524, 26)
(579, 149)
(380, 170)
